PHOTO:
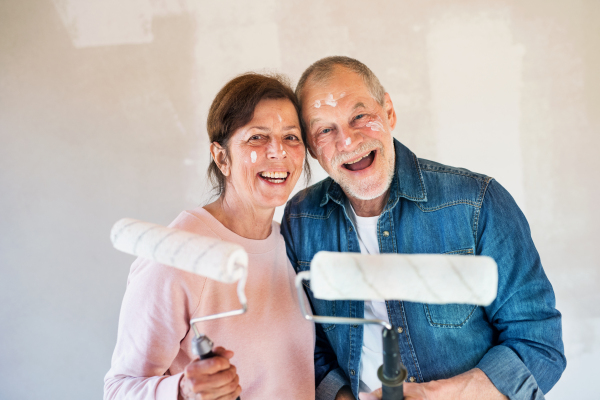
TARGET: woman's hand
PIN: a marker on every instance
(211, 379)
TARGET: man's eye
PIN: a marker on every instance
(326, 130)
(359, 116)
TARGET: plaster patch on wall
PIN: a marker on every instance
(107, 22)
(475, 74)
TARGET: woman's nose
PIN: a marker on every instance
(276, 150)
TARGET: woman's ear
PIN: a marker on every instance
(219, 154)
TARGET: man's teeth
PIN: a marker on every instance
(354, 162)
(274, 175)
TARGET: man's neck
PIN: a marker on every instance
(369, 208)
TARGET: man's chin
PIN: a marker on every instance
(365, 190)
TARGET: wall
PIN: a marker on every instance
(102, 113)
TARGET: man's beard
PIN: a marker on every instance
(373, 186)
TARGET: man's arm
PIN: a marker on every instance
(529, 356)
(471, 385)
(329, 377)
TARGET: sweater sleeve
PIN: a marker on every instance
(154, 320)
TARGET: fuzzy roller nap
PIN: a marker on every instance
(213, 258)
(422, 278)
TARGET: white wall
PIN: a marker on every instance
(102, 115)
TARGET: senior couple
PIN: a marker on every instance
(380, 198)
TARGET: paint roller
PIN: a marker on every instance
(422, 278)
(212, 258)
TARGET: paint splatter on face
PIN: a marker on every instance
(318, 104)
(375, 126)
(330, 101)
(253, 157)
(348, 141)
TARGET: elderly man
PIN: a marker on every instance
(381, 198)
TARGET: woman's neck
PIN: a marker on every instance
(240, 217)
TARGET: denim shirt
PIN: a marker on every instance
(432, 208)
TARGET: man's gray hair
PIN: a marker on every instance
(322, 70)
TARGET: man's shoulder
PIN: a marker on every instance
(445, 184)
(308, 201)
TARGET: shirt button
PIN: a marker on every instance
(355, 326)
(412, 378)
(350, 229)
(352, 372)
(386, 233)
(400, 330)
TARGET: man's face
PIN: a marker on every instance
(349, 133)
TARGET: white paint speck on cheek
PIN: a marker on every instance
(279, 116)
(375, 125)
(342, 95)
(318, 104)
(330, 101)
(253, 157)
(348, 141)
(281, 147)
(284, 153)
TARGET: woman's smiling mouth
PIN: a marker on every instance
(274, 176)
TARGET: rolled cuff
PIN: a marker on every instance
(510, 376)
(331, 385)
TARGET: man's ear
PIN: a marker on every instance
(389, 111)
(219, 154)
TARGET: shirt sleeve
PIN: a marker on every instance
(529, 358)
(329, 377)
(154, 319)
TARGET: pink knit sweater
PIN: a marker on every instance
(273, 344)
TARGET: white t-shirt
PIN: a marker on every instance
(372, 349)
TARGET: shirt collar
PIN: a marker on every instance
(407, 182)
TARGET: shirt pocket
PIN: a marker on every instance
(451, 316)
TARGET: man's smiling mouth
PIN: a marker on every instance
(361, 163)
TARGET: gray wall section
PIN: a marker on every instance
(102, 116)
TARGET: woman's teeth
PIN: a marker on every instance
(274, 177)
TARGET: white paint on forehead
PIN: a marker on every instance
(253, 157)
(330, 101)
(318, 104)
(279, 116)
(348, 141)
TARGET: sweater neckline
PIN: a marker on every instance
(252, 246)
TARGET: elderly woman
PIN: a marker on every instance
(257, 157)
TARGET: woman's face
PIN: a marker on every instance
(266, 155)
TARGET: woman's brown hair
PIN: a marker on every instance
(233, 107)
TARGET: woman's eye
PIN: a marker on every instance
(255, 137)
(292, 138)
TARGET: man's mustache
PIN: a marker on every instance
(363, 149)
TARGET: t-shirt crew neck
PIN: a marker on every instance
(372, 349)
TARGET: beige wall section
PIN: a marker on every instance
(102, 115)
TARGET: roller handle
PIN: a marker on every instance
(392, 373)
(202, 347)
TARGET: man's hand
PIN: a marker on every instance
(471, 385)
(213, 378)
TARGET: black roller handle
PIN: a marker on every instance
(202, 347)
(392, 373)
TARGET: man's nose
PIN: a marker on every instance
(347, 138)
(276, 150)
